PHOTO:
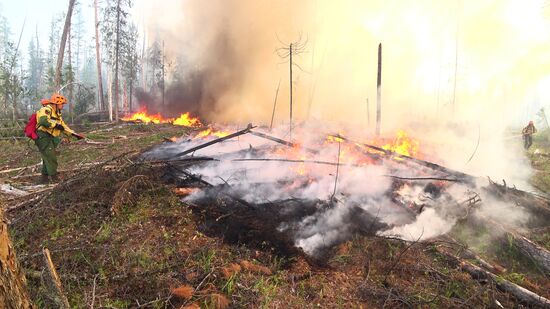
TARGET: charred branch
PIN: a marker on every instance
(459, 175)
(213, 142)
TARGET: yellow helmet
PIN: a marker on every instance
(58, 99)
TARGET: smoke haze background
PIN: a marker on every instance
(226, 50)
(502, 48)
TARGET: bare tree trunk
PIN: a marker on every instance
(70, 99)
(61, 52)
(144, 64)
(39, 84)
(98, 61)
(13, 290)
(117, 50)
(379, 91)
(110, 93)
(130, 95)
(163, 72)
(125, 97)
(290, 125)
(14, 99)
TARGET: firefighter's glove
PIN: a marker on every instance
(59, 127)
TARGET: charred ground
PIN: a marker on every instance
(121, 237)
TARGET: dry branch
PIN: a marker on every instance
(19, 168)
(218, 140)
(280, 141)
(11, 190)
(90, 142)
(295, 161)
(275, 139)
(77, 168)
(60, 298)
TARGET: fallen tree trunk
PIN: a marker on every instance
(540, 255)
(523, 295)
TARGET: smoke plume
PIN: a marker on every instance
(456, 75)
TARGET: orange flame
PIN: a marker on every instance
(211, 132)
(183, 120)
(403, 144)
(187, 121)
(142, 116)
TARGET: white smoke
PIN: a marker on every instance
(367, 186)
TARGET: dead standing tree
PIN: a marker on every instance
(288, 52)
(379, 91)
(62, 44)
(117, 49)
(101, 102)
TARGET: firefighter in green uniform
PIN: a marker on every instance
(49, 127)
(527, 133)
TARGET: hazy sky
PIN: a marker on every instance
(38, 15)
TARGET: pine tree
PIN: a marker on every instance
(115, 31)
(130, 60)
(155, 69)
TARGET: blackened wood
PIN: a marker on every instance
(218, 140)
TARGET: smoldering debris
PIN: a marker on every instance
(292, 197)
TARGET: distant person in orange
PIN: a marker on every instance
(527, 133)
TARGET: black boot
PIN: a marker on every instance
(43, 180)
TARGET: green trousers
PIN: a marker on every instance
(46, 144)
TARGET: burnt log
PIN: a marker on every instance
(218, 140)
(537, 204)
(459, 175)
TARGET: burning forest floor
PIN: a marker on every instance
(129, 233)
